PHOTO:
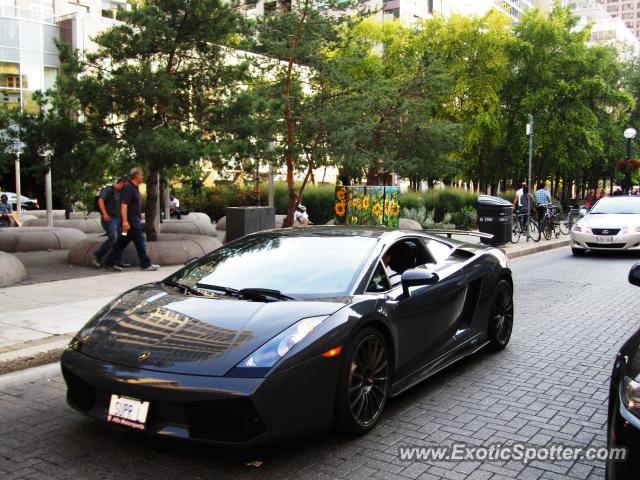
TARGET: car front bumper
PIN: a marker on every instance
(621, 241)
(245, 412)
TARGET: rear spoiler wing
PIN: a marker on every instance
(448, 233)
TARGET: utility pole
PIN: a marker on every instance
(530, 133)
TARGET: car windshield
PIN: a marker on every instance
(617, 205)
(298, 265)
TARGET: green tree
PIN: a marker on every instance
(385, 100)
(475, 52)
(573, 91)
(153, 81)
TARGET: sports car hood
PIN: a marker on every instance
(610, 220)
(152, 329)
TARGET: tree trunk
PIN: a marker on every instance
(293, 196)
(150, 206)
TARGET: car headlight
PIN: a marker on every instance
(630, 395)
(634, 229)
(276, 348)
(582, 229)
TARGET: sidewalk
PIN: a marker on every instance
(40, 318)
(37, 321)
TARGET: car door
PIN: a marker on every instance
(426, 321)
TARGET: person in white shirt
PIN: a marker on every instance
(174, 206)
(301, 216)
(516, 200)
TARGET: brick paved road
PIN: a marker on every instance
(550, 385)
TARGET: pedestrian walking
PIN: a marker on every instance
(109, 206)
(131, 214)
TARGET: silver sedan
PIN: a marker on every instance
(612, 224)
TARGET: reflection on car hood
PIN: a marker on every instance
(611, 220)
(191, 335)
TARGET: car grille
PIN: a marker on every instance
(79, 392)
(601, 231)
(231, 420)
(228, 420)
(605, 245)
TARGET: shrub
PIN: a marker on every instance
(465, 218)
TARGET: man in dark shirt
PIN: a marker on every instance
(109, 204)
(131, 213)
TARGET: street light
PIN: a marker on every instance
(16, 148)
(629, 134)
(47, 153)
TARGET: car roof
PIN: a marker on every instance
(386, 234)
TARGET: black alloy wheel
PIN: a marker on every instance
(364, 384)
(501, 320)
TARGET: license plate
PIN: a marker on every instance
(128, 412)
(603, 239)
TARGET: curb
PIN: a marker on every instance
(538, 248)
(46, 351)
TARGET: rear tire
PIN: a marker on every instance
(501, 318)
(534, 232)
(364, 383)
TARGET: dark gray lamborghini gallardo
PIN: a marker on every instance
(286, 332)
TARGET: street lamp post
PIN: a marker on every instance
(16, 147)
(47, 153)
(629, 134)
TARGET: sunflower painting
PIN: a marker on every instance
(374, 205)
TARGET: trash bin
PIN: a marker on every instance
(242, 221)
(495, 216)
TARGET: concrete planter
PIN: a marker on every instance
(38, 238)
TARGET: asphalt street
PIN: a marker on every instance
(549, 386)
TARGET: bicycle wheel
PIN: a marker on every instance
(564, 227)
(546, 228)
(515, 233)
(534, 231)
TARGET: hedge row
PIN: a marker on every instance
(319, 200)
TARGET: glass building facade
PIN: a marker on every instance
(28, 54)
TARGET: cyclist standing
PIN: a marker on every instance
(543, 198)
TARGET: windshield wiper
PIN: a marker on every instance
(186, 288)
(263, 293)
(227, 290)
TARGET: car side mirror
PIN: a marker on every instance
(416, 277)
(634, 275)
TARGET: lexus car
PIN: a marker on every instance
(286, 332)
(613, 223)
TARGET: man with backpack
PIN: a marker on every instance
(109, 206)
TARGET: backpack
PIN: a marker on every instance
(96, 207)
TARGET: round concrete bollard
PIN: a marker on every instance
(43, 213)
(221, 224)
(87, 225)
(192, 228)
(83, 215)
(170, 249)
(11, 270)
(407, 224)
(38, 238)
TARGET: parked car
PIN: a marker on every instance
(613, 223)
(286, 332)
(623, 421)
(26, 202)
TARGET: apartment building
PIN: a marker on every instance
(28, 32)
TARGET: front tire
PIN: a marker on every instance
(364, 383)
(501, 319)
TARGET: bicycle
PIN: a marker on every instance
(522, 227)
(551, 223)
